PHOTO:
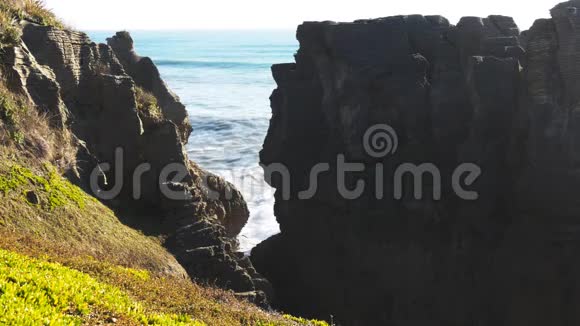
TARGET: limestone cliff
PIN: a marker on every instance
(97, 92)
(479, 92)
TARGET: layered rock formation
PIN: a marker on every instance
(146, 75)
(479, 92)
(92, 89)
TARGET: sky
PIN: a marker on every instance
(274, 14)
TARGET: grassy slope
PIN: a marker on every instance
(38, 202)
(37, 292)
(78, 244)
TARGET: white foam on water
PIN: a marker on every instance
(260, 198)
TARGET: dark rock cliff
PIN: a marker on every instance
(479, 92)
(93, 90)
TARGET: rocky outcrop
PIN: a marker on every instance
(37, 83)
(92, 89)
(479, 92)
(145, 74)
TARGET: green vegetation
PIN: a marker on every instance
(303, 321)
(38, 11)
(9, 32)
(53, 190)
(147, 107)
(33, 10)
(146, 101)
(82, 235)
(41, 293)
(65, 258)
(131, 296)
(38, 203)
(24, 129)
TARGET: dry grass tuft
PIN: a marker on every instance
(22, 126)
(43, 143)
(147, 107)
(36, 9)
(9, 33)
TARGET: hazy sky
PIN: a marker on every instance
(256, 14)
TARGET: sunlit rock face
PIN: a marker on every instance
(480, 92)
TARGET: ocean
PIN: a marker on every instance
(224, 79)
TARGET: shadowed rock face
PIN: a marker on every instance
(478, 92)
(91, 89)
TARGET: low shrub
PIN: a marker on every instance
(147, 107)
(36, 9)
(9, 33)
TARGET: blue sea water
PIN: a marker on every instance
(224, 79)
